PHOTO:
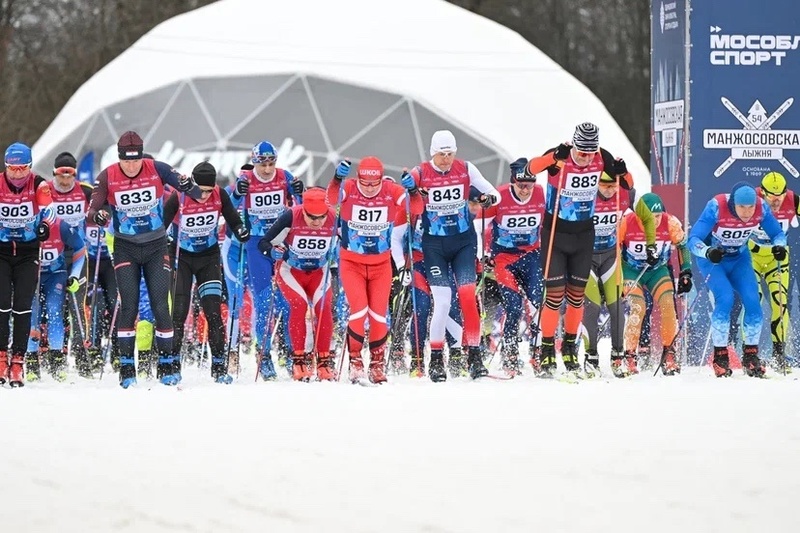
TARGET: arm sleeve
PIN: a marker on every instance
(99, 195)
(625, 180)
(702, 229)
(771, 226)
(169, 176)
(298, 200)
(546, 161)
(398, 244)
(477, 180)
(648, 222)
(75, 241)
(229, 212)
(334, 187)
(171, 208)
(276, 233)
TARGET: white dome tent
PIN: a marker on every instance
(326, 80)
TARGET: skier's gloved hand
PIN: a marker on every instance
(185, 183)
(486, 200)
(241, 233)
(619, 168)
(714, 254)
(562, 152)
(73, 284)
(519, 168)
(101, 218)
(297, 187)
(653, 257)
(43, 231)
(685, 281)
(242, 187)
(277, 253)
(779, 252)
(342, 169)
(404, 275)
(487, 263)
(407, 181)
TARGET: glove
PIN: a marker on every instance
(101, 218)
(404, 275)
(487, 262)
(407, 181)
(342, 169)
(241, 233)
(297, 187)
(242, 187)
(714, 254)
(779, 252)
(486, 200)
(43, 231)
(685, 281)
(73, 284)
(277, 253)
(619, 167)
(185, 183)
(519, 169)
(652, 254)
(562, 152)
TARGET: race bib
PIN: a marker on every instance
(369, 221)
(49, 255)
(581, 187)
(71, 212)
(136, 202)
(761, 236)
(447, 200)
(268, 204)
(306, 247)
(734, 238)
(605, 224)
(520, 223)
(199, 224)
(637, 249)
(16, 215)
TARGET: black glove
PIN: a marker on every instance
(619, 167)
(297, 187)
(185, 183)
(779, 252)
(685, 281)
(486, 200)
(241, 233)
(101, 218)
(242, 187)
(714, 254)
(562, 152)
(265, 247)
(653, 257)
(43, 231)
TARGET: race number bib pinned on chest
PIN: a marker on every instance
(308, 247)
(136, 202)
(92, 235)
(71, 212)
(605, 224)
(581, 187)
(199, 224)
(16, 215)
(446, 200)
(521, 223)
(269, 204)
(49, 255)
(733, 237)
(369, 221)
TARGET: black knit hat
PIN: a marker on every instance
(130, 146)
(205, 174)
(65, 159)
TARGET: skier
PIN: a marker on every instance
(300, 242)
(26, 216)
(267, 191)
(129, 194)
(719, 240)
(199, 259)
(657, 279)
(515, 253)
(371, 209)
(785, 206)
(605, 275)
(449, 243)
(574, 172)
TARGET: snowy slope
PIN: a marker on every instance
(690, 453)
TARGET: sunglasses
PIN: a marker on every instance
(581, 153)
(261, 159)
(63, 171)
(17, 168)
(205, 192)
(774, 195)
(523, 185)
(315, 217)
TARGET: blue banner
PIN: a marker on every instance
(86, 168)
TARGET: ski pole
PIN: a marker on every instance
(781, 325)
(107, 347)
(627, 291)
(95, 284)
(411, 230)
(550, 249)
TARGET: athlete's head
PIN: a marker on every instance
(205, 175)
(744, 198)
(523, 183)
(64, 170)
(773, 185)
(264, 157)
(370, 176)
(585, 143)
(607, 186)
(130, 149)
(443, 149)
(655, 205)
(315, 206)
(18, 164)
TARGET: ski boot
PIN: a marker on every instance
(548, 358)
(266, 369)
(417, 368)
(326, 367)
(301, 367)
(146, 360)
(721, 364)
(33, 371)
(436, 368)
(751, 364)
(83, 363)
(219, 372)
(356, 367)
(3, 367)
(397, 363)
(569, 355)
(16, 371)
(591, 364)
(669, 363)
(631, 367)
(475, 363)
(536, 359)
(779, 359)
(456, 363)
(233, 361)
(377, 364)
(57, 363)
(509, 359)
(645, 358)
(168, 370)
(618, 366)
(127, 372)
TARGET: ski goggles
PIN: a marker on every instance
(581, 153)
(315, 217)
(63, 171)
(17, 168)
(524, 185)
(261, 159)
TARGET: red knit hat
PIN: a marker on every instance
(370, 171)
(314, 201)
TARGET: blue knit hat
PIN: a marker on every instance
(744, 195)
(18, 154)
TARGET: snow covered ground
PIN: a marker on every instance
(689, 453)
